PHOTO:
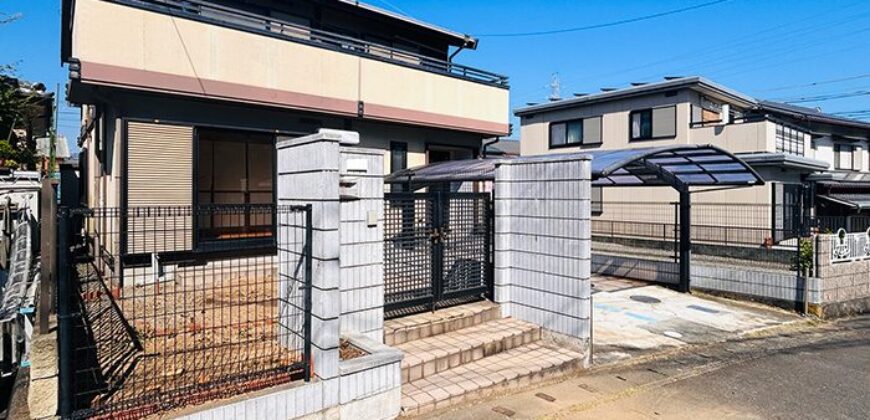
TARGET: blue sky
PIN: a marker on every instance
(768, 49)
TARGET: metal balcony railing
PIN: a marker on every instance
(267, 25)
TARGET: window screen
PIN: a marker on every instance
(664, 122)
(592, 130)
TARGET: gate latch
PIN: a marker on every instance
(435, 236)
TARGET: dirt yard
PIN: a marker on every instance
(205, 337)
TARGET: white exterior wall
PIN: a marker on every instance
(824, 150)
(862, 156)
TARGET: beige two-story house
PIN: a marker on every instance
(183, 101)
(789, 146)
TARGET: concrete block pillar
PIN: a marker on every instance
(543, 243)
(308, 173)
(362, 242)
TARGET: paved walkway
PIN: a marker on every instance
(799, 370)
(633, 318)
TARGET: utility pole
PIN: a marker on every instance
(52, 162)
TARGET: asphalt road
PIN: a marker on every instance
(802, 371)
(824, 377)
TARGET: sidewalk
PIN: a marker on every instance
(778, 372)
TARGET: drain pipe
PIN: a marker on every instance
(485, 145)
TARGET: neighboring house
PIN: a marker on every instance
(43, 152)
(503, 148)
(183, 101)
(789, 146)
(30, 119)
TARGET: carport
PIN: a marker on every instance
(689, 169)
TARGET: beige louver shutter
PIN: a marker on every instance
(159, 187)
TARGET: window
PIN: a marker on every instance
(843, 157)
(579, 132)
(234, 183)
(398, 156)
(656, 123)
(789, 140)
(398, 161)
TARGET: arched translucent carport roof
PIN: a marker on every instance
(678, 166)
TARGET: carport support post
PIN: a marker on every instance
(685, 239)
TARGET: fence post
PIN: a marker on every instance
(309, 253)
(685, 240)
(47, 244)
(64, 293)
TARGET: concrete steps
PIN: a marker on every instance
(428, 356)
(470, 351)
(517, 367)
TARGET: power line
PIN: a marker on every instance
(740, 43)
(603, 25)
(394, 7)
(821, 98)
(851, 89)
(785, 46)
(813, 84)
(859, 111)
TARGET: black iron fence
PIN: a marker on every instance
(163, 307)
(722, 233)
(712, 214)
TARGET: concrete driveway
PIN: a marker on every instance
(633, 318)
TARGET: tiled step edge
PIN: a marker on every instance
(428, 356)
(514, 368)
(414, 327)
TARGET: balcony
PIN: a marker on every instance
(202, 49)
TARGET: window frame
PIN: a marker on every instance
(789, 139)
(631, 115)
(582, 142)
(201, 244)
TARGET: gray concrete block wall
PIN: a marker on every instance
(308, 172)
(845, 286)
(542, 243)
(768, 285)
(362, 246)
(772, 285)
(368, 387)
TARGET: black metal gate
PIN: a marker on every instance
(437, 248)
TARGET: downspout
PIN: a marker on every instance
(485, 145)
(455, 53)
